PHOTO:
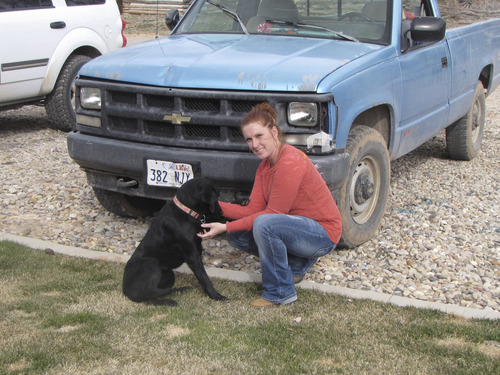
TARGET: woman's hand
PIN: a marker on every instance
(213, 230)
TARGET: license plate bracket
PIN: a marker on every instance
(168, 174)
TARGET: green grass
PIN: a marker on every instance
(64, 315)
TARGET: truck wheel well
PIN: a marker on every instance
(377, 118)
(485, 76)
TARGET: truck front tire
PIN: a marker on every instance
(464, 137)
(127, 205)
(363, 196)
(60, 103)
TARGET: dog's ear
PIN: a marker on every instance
(190, 192)
(210, 197)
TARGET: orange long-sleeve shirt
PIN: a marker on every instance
(293, 186)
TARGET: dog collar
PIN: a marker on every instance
(187, 210)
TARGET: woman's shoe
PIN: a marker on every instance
(298, 279)
(262, 303)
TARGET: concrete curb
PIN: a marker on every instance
(248, 277)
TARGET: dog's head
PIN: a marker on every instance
(200, 195)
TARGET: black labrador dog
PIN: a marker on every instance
(171, 241)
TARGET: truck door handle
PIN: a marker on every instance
(58, 25)
(444, 62)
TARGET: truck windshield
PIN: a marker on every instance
(353, 20)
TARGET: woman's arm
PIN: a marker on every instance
(256, 203)
(281, 188)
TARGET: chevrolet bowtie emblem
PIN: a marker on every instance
(176, 118)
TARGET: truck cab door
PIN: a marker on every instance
(425, 84)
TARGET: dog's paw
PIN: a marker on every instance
(181, 289)
(219, 297)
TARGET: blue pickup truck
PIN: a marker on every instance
(356, 84)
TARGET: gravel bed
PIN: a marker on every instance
(440, 238)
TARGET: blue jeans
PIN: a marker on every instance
(287, 247)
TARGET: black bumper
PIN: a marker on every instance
(116, 165)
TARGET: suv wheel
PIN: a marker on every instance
(60, 103)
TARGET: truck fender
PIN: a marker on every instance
(374, 86)
(379, 116)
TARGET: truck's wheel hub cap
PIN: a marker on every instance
(363, 190)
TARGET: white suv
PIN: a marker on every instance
(43, 45)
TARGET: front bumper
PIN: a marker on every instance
(118, 165)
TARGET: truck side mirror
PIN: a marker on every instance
(428, 29)
(172, 18)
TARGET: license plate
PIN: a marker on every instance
(166, 173)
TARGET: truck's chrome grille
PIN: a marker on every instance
(123, 97)
(198, 105)
(124, 124)
(199, 131)
(164, 102)
(236, 135)
(160, 129)
(238, 106)
(189, 118)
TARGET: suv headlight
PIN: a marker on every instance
(90, 98)
(302, 114)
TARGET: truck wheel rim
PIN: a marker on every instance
(364, 190)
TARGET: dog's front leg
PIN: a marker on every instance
(196, 265)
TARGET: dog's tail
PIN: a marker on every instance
(161, 302)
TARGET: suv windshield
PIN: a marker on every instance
(352, 20)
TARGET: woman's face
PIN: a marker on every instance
(262, 141)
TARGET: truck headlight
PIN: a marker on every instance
(90, 98)
(302, 114)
